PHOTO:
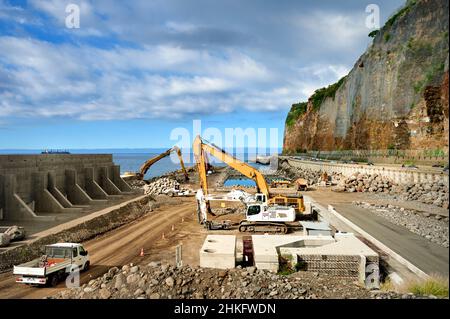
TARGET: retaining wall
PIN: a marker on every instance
(36, 186)
(397, 175)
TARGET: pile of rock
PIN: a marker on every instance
(432, 227)
(358, 182)
(160, 186)
(313, 177)
(136, 183)
(428, 193)
(156, 281)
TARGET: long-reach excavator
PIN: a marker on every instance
(266, 213)
(145, 167)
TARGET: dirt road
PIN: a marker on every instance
(115, 248)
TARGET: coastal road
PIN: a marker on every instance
(427, 256)
(115, 248)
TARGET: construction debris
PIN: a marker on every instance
(308, 175)
(16, 233)
(364, 183)
(5, 239)
(163, 185)
(162, 281)
(11, 233)
(136, 184)
(435, 193)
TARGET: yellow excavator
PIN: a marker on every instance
(266, 212)
(145, 167)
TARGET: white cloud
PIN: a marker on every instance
(170, 61)
(333, 30)
(50, 80)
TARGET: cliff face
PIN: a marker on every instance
(396, 95)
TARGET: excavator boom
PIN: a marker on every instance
(145, 167)
(200, 148)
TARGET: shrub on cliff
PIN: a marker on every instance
(296, 111)
(321, 94)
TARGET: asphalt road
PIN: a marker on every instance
(427, 256)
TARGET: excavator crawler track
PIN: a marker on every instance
(262, 227)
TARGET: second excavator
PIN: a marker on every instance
(145, 167)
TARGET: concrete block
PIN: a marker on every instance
(347, 256)
(218, 251)
(266, 248)
(316, 228)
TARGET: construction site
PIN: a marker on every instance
(313, 229)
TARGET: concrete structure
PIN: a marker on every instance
(397, 175)
(344, 255)
(218, 251)
(316, 228)
(266, 247)
(39, 186)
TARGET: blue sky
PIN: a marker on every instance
(135, 70)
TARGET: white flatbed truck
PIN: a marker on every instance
(58, 261)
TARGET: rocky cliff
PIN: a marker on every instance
(395, 97)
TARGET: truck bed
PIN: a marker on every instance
(32, 268)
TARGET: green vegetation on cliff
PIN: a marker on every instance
(316, 99)
(296, 111)
(321, 94)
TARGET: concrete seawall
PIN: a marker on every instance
(39, 186)
(397, 175)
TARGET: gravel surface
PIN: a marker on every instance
(432, 227)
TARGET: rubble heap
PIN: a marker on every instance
(156, 281)
(136, 183)
(313, 177)
(160, 186)
(429, 193)
(364, 183)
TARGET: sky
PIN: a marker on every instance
(135, 71)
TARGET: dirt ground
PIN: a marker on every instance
(123, 245)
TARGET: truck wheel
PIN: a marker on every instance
(86, 266)
(53, 280)
(171, 194)
(242, 228)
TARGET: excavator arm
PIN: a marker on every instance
(145, 167)
(200, 148)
